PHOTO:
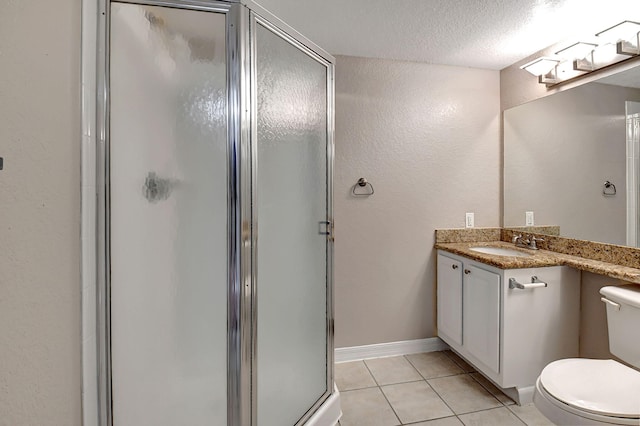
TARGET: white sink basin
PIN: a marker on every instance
(499, 251)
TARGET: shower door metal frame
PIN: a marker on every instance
(241, 15)
(259, 16)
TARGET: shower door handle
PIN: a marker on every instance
(324, 227)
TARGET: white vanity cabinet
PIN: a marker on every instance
(508, 334)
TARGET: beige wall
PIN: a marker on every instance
(40, 214)
(594, 336)
(427, 138)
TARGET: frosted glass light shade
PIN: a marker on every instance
(625, 30)
(540, 66)
(577, 50)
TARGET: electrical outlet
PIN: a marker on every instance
(528, 219)
(469, 221)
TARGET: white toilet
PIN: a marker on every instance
(579, 391)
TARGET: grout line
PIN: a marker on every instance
(441, 398)
(383, 394)
(516, 414)
(424, 379)
(371, 372)
(356, 389)
(395, 383)
(455, 358)
(412, 366)
(489, 409)
(390, 405)
(437, 377)
(489, 390)
(430, 420)
(475, 411)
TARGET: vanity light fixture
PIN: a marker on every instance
(624, 36)
(614, 45)
(579, 50)
(606, 54)
(541, 66)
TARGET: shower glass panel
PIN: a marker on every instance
(291, 110)
(168, 216)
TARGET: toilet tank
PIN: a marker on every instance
(623, 320)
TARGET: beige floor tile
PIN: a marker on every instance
(447, 421)
(530, 415)
(493, 390)
(366, 407)
(434, 364)
(496, 417)
(387, 371)
(415, 401)
(460, 362)
(353, 375)
(463, 394)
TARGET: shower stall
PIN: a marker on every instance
(213, 219)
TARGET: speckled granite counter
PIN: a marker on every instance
(539, 258)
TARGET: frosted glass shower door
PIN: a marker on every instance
(292, 212)
(168, 216)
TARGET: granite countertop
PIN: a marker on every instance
(539, 258)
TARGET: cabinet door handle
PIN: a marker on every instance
(614, 305)
(513, 283)
(467, 272)
(454, 266)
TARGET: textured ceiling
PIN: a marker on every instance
(491, 34)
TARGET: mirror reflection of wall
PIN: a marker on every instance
(561, 149)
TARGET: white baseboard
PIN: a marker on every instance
(405, 347)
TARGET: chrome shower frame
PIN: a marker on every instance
(242, 17)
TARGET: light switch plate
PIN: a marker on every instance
(528, 221)
(469, 220)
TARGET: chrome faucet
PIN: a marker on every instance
(532, 242)
(529, 241)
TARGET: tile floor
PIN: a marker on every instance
(427, 389)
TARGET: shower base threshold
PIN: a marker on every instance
(329, 413)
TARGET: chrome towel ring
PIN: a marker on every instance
(362, 188)
(609, 188)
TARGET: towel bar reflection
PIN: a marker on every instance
(367, 188)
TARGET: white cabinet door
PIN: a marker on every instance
(481, 319)
(450, 299)
(540, 325)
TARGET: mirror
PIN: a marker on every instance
(571, 158)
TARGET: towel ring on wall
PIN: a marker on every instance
(609, 189)
(367, 188)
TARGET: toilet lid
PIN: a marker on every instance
(599, 386)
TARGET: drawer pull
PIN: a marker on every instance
(454, 266)
(467, 272)
(534, 284)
